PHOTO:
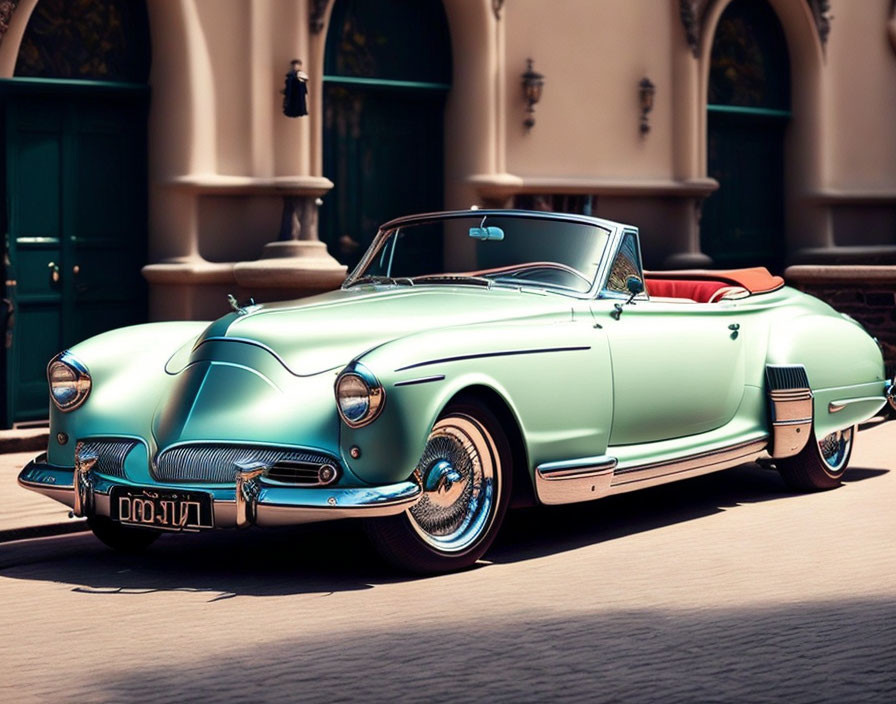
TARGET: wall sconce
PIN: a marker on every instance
(533, 82)
(646, 91)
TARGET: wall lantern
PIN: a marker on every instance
(646, 91)
(533, 82)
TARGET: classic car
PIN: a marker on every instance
(472, 360)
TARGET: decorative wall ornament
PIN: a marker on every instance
(693, 18)
(497, 6)
(533, 83)
(7, 7)
(646, 91)
(316, 11)
(891, 25)
(821, 13)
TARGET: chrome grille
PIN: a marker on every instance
(217, 464)
(110, 455)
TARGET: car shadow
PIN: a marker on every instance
(544, 530)
(336, 557)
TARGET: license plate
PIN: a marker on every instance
(162, 508)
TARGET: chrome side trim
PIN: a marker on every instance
(639, 476)
(421, 380)
(839, 405)
(790, 408)
(483, 355)
(574, 480)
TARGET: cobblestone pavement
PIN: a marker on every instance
(720, 589)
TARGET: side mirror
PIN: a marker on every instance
(634, 285)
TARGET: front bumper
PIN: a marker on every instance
(249, 502)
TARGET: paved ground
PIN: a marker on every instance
(719, 589)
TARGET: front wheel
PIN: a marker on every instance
(820, 464)
(465, 473)
(120, 537)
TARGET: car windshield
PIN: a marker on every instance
(486, 250)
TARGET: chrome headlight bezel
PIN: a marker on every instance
(65, 364)
(358, 376)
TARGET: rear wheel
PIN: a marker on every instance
(820, 464)
(466, 476)
(120, 537)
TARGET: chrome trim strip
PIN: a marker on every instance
(837, 406)
(574, 480)
(483, 355)
(729, 456)
(421, 380)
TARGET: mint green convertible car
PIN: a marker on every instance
(471, 361)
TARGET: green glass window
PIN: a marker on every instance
(102, 40)
(400, 40)
(749, 65)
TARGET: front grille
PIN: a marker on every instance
(217, 464)
(110, 455)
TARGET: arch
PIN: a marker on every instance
(106, 41)
(387, 69)
(805, 151)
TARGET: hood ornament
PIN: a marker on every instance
(239, 309)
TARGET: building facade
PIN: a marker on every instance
(149, 168)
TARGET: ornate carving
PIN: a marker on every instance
(688, 14)
(497, 6)
(693, 17)
(7, 7)
(316, 11)
(820, 12)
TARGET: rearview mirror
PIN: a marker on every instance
(495, 234)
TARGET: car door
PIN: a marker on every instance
(678, 368)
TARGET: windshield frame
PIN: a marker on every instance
(614, 230)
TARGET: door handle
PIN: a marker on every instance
(54, 272)
(734, 328)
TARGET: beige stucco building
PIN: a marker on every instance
(766, 135)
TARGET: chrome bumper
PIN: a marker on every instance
(249, 502)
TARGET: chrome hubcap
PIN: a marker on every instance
(460, 474)
(834, 449)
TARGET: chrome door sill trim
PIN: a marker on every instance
(574, 480)
(693, 465)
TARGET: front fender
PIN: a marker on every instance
(127, 367)
(421, 374)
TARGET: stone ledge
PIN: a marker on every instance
(853, 274)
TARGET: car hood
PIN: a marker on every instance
(325, 332)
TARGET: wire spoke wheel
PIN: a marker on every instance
(820, 464)
(458, 469)
(835, 449)
(465, 475)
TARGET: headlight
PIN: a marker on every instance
(69, 381)
(359, 396)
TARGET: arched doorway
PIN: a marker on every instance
(387, 70)
(748, 106)
(74, 184)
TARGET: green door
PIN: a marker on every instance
(748, 105)
(75, 187)
(387, 72)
